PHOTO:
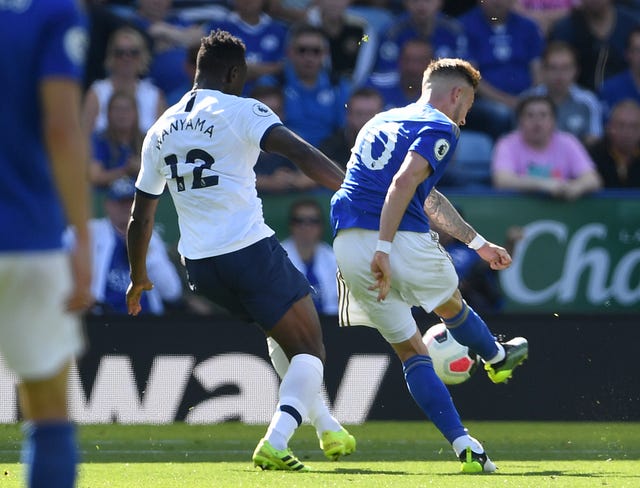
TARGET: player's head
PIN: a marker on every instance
(449, 84)
(221, 63)
(118, 201)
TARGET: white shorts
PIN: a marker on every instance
(422, 275)
(37, 335)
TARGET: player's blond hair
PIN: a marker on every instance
(451, 68)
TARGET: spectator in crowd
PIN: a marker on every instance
(264, 37)
(401, 87)
(311, 255)
(456, 8)
(506, 48)
(127, 60)
(617, 155)
(111, 267)
(363, 104)
(578, 109)
(379, 14)
(352, 42)
(313, 100)
(168, 37)
(275, 173)
(189, 68)
(423, 20)
(116, 150)
(627, 83)
(103, 22)
(598, 30)
(537, 157)
(545, 13)
(290, 11)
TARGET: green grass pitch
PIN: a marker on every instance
(389, 454)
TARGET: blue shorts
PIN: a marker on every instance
(258, 283)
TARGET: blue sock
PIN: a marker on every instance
(50, 454)
(432, 396)
(469, 329)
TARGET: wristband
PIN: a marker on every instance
(383, 246)
(477, 242)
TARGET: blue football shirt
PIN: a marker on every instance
(379, 151)
(40, 39)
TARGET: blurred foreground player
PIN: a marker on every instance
(204, 149)
(44, 186)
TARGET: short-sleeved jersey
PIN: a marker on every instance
(40, 40)
(579, 113)
(503, 53)
(264, 41)
(204, 148)
(447, 38)
(618, 88)
(379, 151)
(564, 158)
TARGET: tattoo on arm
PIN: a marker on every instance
(443, 214)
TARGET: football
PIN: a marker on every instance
(452, 361)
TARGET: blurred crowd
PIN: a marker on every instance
(557, 111)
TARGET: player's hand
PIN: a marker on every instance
(381, 269)
(134, 293)
(81, 298)
(497, 256)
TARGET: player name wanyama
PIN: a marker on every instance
(185, 124)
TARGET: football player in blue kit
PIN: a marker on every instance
(44, 186)
(204, 148)
(390, 261)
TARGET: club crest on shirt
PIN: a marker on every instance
(441, 148)
(261, 110)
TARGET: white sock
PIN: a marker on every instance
(464, 441)
(319, 414)
(298, 390)
(499, 355)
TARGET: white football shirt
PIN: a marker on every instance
(204, 148)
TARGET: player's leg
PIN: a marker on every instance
(394, 321)
(38, 341)
(298, 333)
(261, 282)
(468, 328)
(433, 397)
(335, 440)
(50, 446)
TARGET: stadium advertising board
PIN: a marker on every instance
(203, 370)
(577, 257)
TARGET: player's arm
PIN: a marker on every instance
(67, 146)
(443, 214)
(139, 233)
(310, 160)
(414, 170)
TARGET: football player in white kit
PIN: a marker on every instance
(389, 259)
(204, 149)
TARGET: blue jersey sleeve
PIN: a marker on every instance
(64, 52)
(435, 146)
